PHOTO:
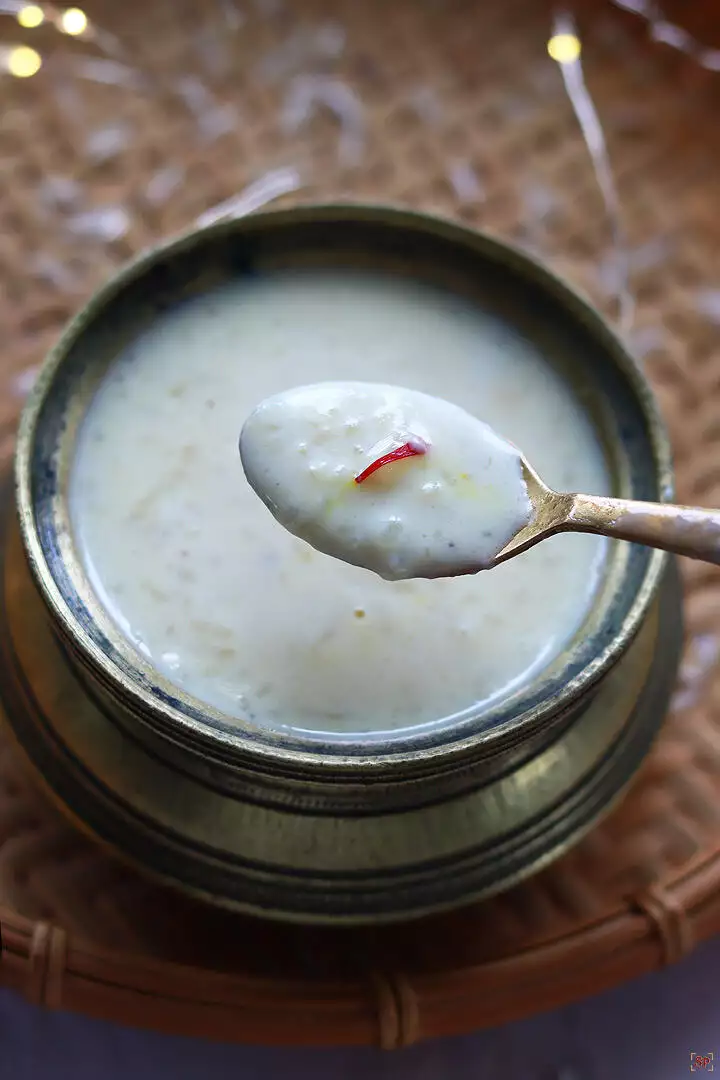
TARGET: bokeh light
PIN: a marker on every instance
(31, 16)
(73, 21)
(564, 48)
(22, 61)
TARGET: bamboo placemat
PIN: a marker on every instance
(606, 167)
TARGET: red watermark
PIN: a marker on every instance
(702, 1062)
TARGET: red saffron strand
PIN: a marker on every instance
(408, 449)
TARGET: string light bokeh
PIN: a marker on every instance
(23, 61)
(564, 48)
(31, 16)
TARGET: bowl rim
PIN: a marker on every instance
(203, 738)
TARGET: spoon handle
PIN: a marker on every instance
(684, 530)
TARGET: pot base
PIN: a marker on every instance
(318, 868)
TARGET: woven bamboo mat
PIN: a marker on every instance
(162, 111)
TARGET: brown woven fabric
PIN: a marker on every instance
(456, 107)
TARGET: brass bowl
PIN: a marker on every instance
(268, 798)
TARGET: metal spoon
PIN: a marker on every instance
(683, 530)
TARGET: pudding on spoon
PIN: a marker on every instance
(394, 480)
(411, 486)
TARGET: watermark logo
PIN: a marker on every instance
(702, 1062)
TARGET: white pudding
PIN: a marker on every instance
(403, 483)
(246, 617)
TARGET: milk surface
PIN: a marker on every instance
(241, 614)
